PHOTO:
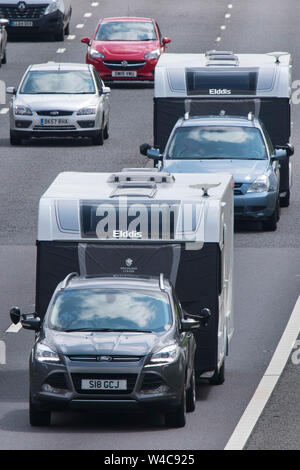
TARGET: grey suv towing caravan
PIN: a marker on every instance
(234, 83)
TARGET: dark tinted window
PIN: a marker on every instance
(93, 309)
(126, 31)
(221, 82)
(217, 142)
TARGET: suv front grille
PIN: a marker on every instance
(88, 358)
(12, 12)
(131, 64)
(131, 380)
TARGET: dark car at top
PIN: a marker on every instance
(112, 343)
(51, 17)
(126, 48)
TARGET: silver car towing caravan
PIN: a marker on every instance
(143, 222)
(234, 84)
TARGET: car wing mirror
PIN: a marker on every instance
(204, 316)
(86, 40)
(188, 324)
(290, 150)
(154, 154)
(11, 90)
(166, 40)
(106, 90)
(31, 322)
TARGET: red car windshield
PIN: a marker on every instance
(126, 31)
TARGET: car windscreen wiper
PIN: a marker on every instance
(93, 330)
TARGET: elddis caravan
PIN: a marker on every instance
(144, 222)
(236, 84)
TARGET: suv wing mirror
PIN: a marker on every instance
(86, 40)
(15, 315)
(290, 150)
(154, 154)
(30, 322)
(11, 90)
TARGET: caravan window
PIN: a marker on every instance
(221, 82)
(217, 142)
(113, 309)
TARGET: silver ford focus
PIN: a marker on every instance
(59, 100)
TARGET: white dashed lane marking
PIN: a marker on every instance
(87, 15)
(14, 328)
(61, 50)
(80, 26)
(4, 110)
(95, 4)
(71, 37)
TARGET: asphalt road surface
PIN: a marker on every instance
(266, 264)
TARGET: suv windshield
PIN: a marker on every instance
(126, 31)
(58, 82)
(111, 309)
(217, 142)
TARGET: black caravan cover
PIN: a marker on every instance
(195, 275)
(273, 112)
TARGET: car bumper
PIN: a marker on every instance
(143, 73)
(45, 24)
(25, 127)
(255, 206)
(148, 388)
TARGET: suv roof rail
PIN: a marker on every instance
(141, 177)
(68, 279)
(161, 282)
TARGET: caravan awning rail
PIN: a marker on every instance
(141, 177)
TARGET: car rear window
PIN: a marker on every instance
(126, 31)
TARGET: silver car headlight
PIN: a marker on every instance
(87, 111)
(94, 54)
(22, 110)
(52, 7)
(44, 353)
(153, 54)
(260, 185)
(166, 355)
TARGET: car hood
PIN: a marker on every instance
(106, 343)
(124, 49)
(62, 102)
(243, 171)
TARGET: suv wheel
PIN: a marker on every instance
(219, 376)
(285, 201)
(4, 59)
(270, 225)
(177, 418)
(60, 35)
(38, 417)
(191, 394)
(106, 132)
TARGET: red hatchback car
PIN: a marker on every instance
(125, 48)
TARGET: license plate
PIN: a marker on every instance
(124, 74)
(103, 384)
(54, 122)
(22, 24)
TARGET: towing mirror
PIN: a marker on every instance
(144, 149)
(288, 148)
(15, 315)
(30, 322)
(154, 154)
(106, 90)
(4, 22)
(86, 40)
(189, 325)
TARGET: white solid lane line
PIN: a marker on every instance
(267, 384)
(14, 328)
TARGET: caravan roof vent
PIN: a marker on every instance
(221, 58)
(134, 189)
(142, 176)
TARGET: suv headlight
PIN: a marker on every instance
(86, 111)
(167, 355)
(260, 185)
(153, 54)
(44, 353)
(52, 7)
(94, 54)
(22, 110)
